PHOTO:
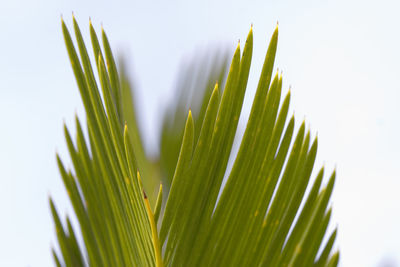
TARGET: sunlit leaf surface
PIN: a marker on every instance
(263, 215)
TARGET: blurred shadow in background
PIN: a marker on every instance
(196, 80)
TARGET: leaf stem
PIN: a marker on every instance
(156, 242)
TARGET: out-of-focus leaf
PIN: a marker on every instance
(262, 216)
(193, 90)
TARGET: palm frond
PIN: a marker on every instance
(256, 219)
(194, 88)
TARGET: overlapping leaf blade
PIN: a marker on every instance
(262, 216)
(108, 198)
(250, 224)
(194, 87)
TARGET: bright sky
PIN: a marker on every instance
(342, 59)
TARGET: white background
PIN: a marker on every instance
(341, 58)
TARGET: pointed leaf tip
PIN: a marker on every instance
(125, 128)
(250, 35)
(189, 120)
(276, 31)
(216, 88)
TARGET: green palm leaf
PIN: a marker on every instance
(194, 88)
(256, 219)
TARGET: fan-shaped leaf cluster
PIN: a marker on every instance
(262, 216)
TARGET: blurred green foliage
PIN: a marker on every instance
(262, 216)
